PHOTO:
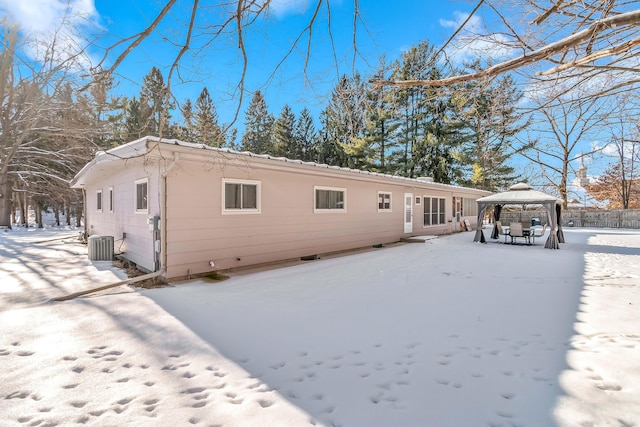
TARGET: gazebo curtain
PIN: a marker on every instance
(496, 217)
(559, 219)
(479, 237)
(552, 241)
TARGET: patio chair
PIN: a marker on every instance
(538, 232)
(501, 231)
(515, 231)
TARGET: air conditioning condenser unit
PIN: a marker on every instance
(101, 248)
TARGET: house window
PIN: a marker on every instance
(418, 200)
(384, 202)
(110, 201)
(434, 211)
(99, 200)
(328, 199)
(469, 207)
(241, 196)
(142, 195)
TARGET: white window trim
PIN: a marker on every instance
(101, 208)
(431, 204)
(344, 208)
(258, 209)
(111, 199)
(390, 201)
(135, 196)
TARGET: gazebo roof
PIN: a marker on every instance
(520, 193)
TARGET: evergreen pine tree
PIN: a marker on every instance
(345, 119)
(379, 137)
(134, 127)
(305, 137)
(258, 125)
(283, 134)
(206, 129)
(491, 120)
(153, 102)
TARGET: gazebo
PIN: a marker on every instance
(523, 194)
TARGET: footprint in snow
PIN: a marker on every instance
(609, 387)
(265, 403)
(193, 390)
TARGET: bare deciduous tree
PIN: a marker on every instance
(619, 185)
(42, 139)
(570, 40)
(559, 129)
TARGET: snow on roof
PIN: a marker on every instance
(141, 147)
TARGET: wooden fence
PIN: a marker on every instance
(580, 218)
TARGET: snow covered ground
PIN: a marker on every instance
(442, 333)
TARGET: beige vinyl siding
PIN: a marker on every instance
(287, 226)
(138, 246)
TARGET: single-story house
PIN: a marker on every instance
(187, 209)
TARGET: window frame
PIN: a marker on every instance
(99, 200)
(383, 209)
(110, 191)
(241, 211)
(317, 188)
(135, 196)
(439, 214)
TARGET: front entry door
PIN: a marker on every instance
(408, 212)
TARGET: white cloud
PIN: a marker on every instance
(62, 23)
(474, 41)
(281, 8)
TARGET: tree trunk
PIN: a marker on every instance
(38, 208)
(14, 198)
(25, 210)
(56, 211)
(68, 212)
(20, 203)
(5, 201)
(79, 216)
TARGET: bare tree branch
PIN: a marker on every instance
(631, 19)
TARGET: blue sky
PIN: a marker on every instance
(386, 28)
